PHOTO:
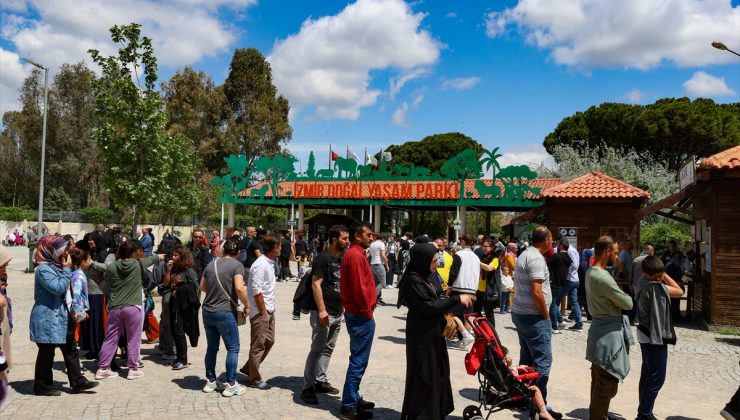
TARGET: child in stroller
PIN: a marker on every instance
(501, 385)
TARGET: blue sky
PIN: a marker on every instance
(372, 73)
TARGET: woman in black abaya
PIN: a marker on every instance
(428, 393)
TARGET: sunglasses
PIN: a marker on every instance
(198, 237)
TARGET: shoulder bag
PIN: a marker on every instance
(241, 319)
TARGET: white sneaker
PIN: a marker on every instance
(557, 331)
(235, 389)
(562, 324)
(212, 386)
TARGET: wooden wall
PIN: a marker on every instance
(702, 207)
(594, 219)
(725, 252)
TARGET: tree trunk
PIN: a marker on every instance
(488, 222)
(134, 222)
(232, 214)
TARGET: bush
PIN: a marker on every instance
(15, 214)
(96, 215)
(657, 234)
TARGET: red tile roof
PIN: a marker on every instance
(594, 185)
(726, 159)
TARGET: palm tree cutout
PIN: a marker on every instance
(490, 161)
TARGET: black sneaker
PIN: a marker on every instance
(85, 386)
(729, 413)
(353, 414)
(325, 388)
(365, 405)
(47, 392)
(296, 317)
(114, 366)
(309, 396)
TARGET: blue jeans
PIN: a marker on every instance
(652, 376)
(535, 336)
(218, 325)
(504, 298)
(571, 290)
(555, 316)
(361, 331)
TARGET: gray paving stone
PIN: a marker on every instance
(703, 374)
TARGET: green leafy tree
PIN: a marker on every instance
(255, 116)
(137, 154)
(195, 106)
(640, 170)
(57, 199)
(668, 130)
(432, 151)
(71, 158)
(659, 233)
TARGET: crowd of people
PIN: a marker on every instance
(93, 298)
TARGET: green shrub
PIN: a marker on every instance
(657, 234)
(96, 215)
(15, 214)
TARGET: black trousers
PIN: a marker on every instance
(285, 268)
(177, 325)
(43, 377)
(485, 303)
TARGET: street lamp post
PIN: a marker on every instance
(39, 226)
(723, 47)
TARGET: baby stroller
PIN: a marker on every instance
(499, 388)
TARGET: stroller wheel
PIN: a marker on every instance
(472, 412)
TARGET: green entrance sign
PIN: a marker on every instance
(459, 182)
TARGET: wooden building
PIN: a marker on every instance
(590, 206)
(712, 204)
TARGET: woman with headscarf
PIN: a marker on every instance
(51, 325)
(428, 392)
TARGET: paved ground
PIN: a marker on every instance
(703, 374)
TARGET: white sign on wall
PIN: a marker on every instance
(571, 234)
(687, 173)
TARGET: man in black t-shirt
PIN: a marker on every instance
(286, 250)
(251, 246)
(326, 315)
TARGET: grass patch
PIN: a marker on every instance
(733, 331)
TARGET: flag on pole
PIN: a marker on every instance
(387, 156)
(370, 159)
(352, 155)
(334, 155)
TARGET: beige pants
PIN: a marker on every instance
(263, 337)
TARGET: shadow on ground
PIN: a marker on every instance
(735, 341)
(392, 339)
(190, 382)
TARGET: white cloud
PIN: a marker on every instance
(532, 155)
(461, 83)
(451, 15)
(327, 63)
(707, 86)
(183, 31)
(399, 115)
(635, 96)
(633, 34)
(11, 79)
(397, 83)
